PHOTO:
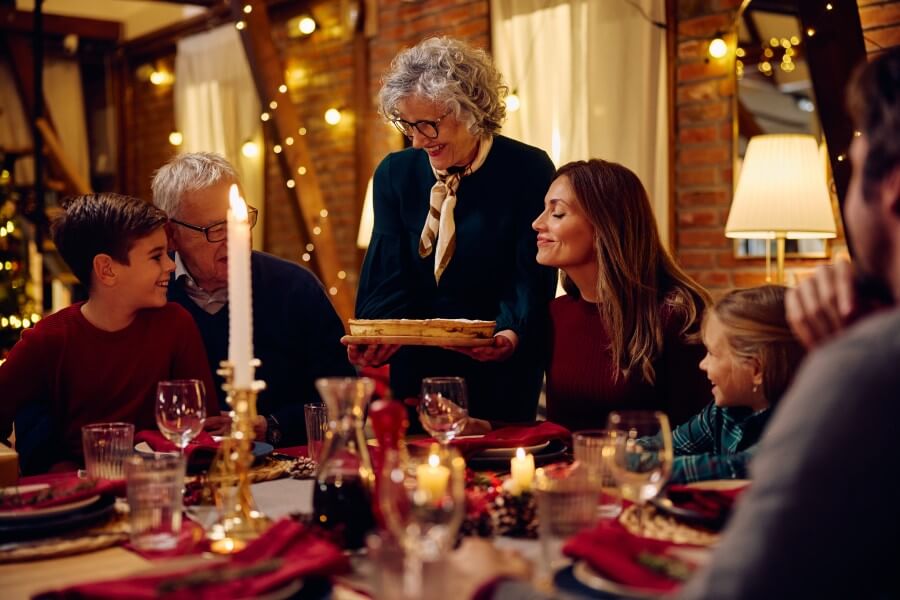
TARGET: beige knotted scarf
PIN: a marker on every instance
(439, 225)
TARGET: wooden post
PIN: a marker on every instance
(268, 73)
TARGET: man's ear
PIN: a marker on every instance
(170, 237)
(105, 272)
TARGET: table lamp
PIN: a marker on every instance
(781, 194)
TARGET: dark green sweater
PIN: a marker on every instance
(492, 275)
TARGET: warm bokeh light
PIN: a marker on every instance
(513, 103)
(332, 116)
(718, 48)
(250, 149)
(176, 138)
(306, 25)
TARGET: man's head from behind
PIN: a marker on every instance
(872, 209)
(111, 240)
(193, 190)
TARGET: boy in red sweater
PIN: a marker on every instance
(100, 360)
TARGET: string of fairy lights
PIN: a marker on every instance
(301, 26)
(776, 52)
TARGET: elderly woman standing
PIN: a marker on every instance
(452, 235)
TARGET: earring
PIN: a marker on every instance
(755, 388)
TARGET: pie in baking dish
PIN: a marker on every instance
(439, 328)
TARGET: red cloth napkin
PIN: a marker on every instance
(300, 552)
(613, 552)
(711, 504)
(202, 448)
(64, 490)
(512, 436)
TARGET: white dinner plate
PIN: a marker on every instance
(36, 512)
(510, 452)
(585, 575)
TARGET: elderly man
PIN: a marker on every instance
(296, 332)
(820, 520)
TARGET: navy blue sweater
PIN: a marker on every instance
(296, 336)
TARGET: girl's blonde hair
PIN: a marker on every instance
(756, 327)
(640, 287)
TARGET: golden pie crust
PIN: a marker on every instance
(438, 328)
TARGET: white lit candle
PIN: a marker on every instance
(522, 469)
(433, 477)
(240, 315)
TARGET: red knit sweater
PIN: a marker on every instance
(580, 386)
(87, 375)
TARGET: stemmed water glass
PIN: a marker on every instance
(443, 408)
(422, 501)
(642, 460)
(180, 410)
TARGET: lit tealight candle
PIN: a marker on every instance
(433, 477)
(522, 469)
(227, 546)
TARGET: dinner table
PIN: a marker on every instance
(282, 498)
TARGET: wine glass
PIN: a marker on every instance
(443, 408)
(422, 501)
(180, 410)
(642, 459)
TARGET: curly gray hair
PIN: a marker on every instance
(188, 173)
(452, 73)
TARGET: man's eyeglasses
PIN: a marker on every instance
(427, 128)
(218, 231)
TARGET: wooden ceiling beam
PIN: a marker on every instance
(21, 21)
(164, 40)
(308, 201)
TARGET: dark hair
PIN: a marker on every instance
(638, 281)
(873, 100)
(756, 327)
(102, 224)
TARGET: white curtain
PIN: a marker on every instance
(591, 77)
(217, 108)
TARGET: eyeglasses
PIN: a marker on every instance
(218, 231)
(427, 128)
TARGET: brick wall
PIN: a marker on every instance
(704, 132)
(151, 120)
(881, 24)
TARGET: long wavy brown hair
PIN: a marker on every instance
(640, 288)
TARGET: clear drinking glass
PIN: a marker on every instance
(642, 461)
(106, 447)
(155, 500)
(180, 410)
(316, 416)
(595, 449)
(566, 504)
(443, 409)
(422, 501)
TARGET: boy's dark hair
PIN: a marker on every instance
(102, 223)
(873, 100)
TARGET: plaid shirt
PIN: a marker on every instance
(718, 443)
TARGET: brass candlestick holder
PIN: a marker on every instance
(229, 475)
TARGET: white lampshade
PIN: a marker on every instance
(782, 191)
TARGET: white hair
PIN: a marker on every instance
(188, 173)
(452, 73)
